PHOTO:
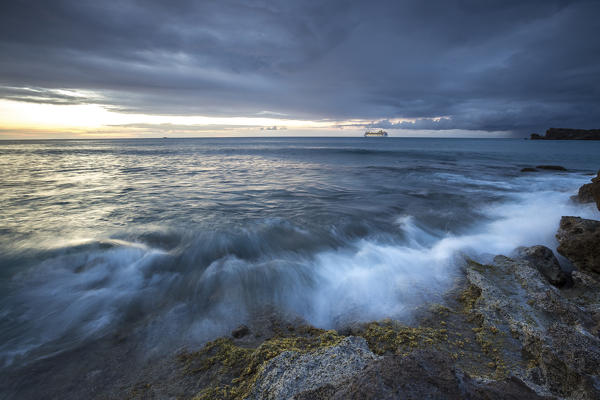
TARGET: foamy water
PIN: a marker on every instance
(178, 242)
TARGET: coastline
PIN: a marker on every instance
(508, 329)
(444, 335)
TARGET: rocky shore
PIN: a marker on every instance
(568, 134)
(521, 327)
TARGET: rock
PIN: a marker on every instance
(240, 331)
(568, 134)
(423, 374)
(584, 280)
(529, 169)
(546, 340)
(291, 372)
(579, 242)
(590, 192)
(543, 259)
(551, 167)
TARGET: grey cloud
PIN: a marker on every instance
(47, 96)
(484, 65)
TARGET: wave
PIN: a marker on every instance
(192, 287)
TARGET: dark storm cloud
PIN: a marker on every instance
(486, 65)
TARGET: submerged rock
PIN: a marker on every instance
(543, 259)
(551, 167)
(291, 372)
(529, 169)
(240, 331)
(579, 241)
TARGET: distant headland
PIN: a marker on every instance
(568, 134)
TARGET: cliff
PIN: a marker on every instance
(568, 134)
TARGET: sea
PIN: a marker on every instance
(174, 242)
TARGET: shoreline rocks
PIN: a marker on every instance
(543, 259)
(590, 192)
(291, 373)
(503, 332)
(579, 242)
(517, 328)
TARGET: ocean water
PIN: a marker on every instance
(181, 240)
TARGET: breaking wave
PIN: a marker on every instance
(171, 289)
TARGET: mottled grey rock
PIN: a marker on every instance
(291, 373)
(420, 375)
(548, 340)
(579, 241)
(583, 280)
(423, 374)
(543, 259)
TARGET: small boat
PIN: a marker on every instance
(379, 133)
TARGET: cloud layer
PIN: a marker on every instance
(480, 65)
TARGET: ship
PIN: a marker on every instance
(379, 133)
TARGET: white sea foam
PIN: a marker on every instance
(374, 280)
(77, 296)
(90, 291)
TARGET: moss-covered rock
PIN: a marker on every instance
(233, 369)
(390, 336)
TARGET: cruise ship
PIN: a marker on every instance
(379, 133)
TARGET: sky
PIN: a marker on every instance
(183, 68)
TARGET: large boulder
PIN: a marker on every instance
(545, 338)
(291, 372)
(579, 241)
(543, 259)
(590, 192)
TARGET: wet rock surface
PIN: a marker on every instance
(579, 241)
(551, 167)
(590, 192)
(543, 259)
(240, 331)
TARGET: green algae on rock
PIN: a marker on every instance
(390, 336)
(233, 369)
